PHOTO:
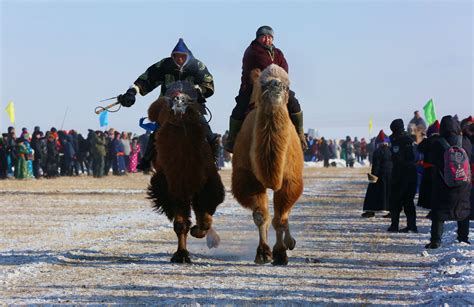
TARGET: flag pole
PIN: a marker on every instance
(64, 118)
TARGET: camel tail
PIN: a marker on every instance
(158, 193)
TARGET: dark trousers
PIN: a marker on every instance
(437, 228)
(243, 101)
(402, 197)
(36, 168)
(98, 166)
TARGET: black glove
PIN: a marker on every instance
(200, 96)
(127, 99)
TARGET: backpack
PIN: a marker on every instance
(457, 171)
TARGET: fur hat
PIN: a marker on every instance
(264, 30)
(433, 129)
(397, 125)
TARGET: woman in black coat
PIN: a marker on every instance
(378, 193)
(424, 197)
(449, 203)
(467, 126)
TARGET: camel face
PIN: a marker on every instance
(180, 103)
(275, 92)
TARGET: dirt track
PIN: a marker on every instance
(84, 240)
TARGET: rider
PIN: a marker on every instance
(260, 54)
(180, 66)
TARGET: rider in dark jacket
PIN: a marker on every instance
(260, 54)
(180, 66)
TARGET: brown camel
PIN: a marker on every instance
(268, 155)
(185, 174)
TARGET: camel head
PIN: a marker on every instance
(179, 104)
(274, 85)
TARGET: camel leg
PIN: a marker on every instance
(251, 194)
(203, 224)
(280, 224)
(284, 200)
(181, 227)
(204, 206)
(261, 218)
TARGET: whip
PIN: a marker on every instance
(100, 109)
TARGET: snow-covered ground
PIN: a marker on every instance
(88, 241)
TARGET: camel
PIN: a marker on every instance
(185, 175)
(268, 155)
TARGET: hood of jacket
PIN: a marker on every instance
(182, 48)
(449, 126)
(397, 126)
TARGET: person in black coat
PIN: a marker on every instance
(324, 150)
(404, 177)
(38, 153)
(424, 197)
(467, 126)
(449, 203)
(378, 193)
(3, 156)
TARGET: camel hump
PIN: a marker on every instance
(274, 72)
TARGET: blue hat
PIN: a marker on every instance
(181, 48)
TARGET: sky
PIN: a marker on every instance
(348, 60)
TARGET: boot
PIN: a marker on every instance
(150, 152)
(394, 219)
(297, 120)
(234, 128)
(411, 221)
(368, 214)
(214, 143)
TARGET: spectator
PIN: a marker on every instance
(378, 193)
(449, 202)
(403, 181)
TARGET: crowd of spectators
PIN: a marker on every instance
(68, 153)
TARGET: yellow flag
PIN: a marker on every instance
(10, 109)
(370, 125)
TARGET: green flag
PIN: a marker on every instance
(429, 110)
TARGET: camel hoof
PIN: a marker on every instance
(212, 239)
(181, 256)
(280, 258)
(290, 242)
(264, 255)
(197, 233)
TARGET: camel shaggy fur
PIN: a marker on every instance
(268, 155)
(185, 174)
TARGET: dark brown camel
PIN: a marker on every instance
(185, 173)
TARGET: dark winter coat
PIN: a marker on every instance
(52, 159)
(449, 203)
(37, 147)
(324, 150)
(167, 71)
(426, 185)
(97, 145)
(3, 160)
(378, 194)
(258, 56)
(403, 158)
